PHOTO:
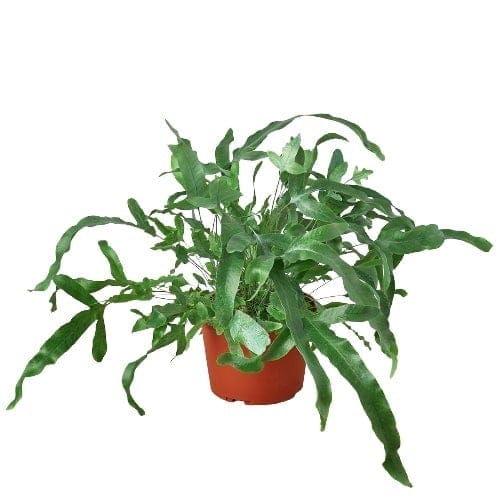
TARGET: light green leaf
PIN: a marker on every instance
(286, 161)
(289, 298)
(140, 217)
(350, 365)
(326, 232)
(64, 244)
(58, 344)
(280, 346)
(480, 243)
(314, 209)
(73, 288)
(360, 175)
(245, 330)
(247, 365)
(115, 265)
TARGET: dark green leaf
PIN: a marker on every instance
(415, 240)
(346, 312)
(289, 298)
(73, 288)
(280, 346)
(477, 241)
(337, 167)
(114, 262)
(99, 344)
(350, 365)
(53, 301)
(140, 217)
(64, 243)
(60, 342)
(329, 137)
(258, 270)
(239, 242)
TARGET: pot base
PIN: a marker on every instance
(278, 381)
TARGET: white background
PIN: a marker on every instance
(85, 87)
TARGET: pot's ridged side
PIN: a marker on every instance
(279, 380)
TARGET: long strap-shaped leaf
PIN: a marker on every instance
(350, 365)
(254, 140)
(62, 340)
(288, 297)
(64, 243)
(129, 372)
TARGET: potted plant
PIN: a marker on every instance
(246, 273)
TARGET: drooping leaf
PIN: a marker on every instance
(288, 297)
(222, 155)
(64, 244)
(359, 291)
(58, 344)
(350, 365)
(115, 265)
(245, 330)
(329, 137)
(129, 372)
(99, 344)
(140, 217)
(415, 240)
(480, 243)
(73, 288)
(346, 312)
(242, 363)
(280, 346)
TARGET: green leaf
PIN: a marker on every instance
(187, 169)
(337, 167)
(415, 240)
(254, 140)
(286, 161)
(314, 209)
(289, 298)
(329, 137)
(60, 342)
(154, 320)
(239, 242)
(245, 330)
(222, 150)
(64, 244)
(140, 217)
(222, 192)
(53, 301)
(258, 270)
(359, 291)
(346, 312)
(360, 175)
(280, 346)
(99, 344)
(345, 358)
(73, 288)
(247, 365)
(326, 232)
(227, 282)
(114, 262)
(477, 241)
(129, 372)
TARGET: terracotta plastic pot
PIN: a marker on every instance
(278, 381)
